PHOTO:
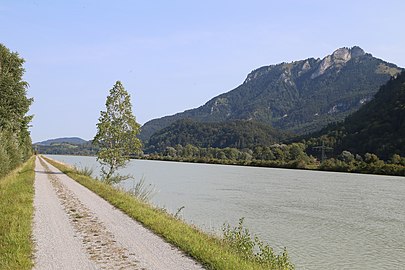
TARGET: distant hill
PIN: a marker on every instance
(66, 146)
(70, 140)
(378, 127)
(300, 97)
(236, 134)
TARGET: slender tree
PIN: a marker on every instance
(116, 136)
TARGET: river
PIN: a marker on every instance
(326, 220)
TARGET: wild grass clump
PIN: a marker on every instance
(211, 251)
(87, 171)
(252, 248)
(16, 211)
(144, 192)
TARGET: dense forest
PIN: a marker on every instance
(15, 140)
(233, 134)
(378, 127)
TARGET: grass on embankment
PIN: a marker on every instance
(211, 251)
(16, 211)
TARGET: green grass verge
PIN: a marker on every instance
(16, 212)
(211, 251)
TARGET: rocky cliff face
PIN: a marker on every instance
(338, 59)
(300, 97)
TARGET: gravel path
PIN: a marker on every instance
(76, 229)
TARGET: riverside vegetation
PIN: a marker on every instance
(292, 156)
(236, 250)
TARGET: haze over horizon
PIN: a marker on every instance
(173, 56)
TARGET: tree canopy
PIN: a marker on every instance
(15, 141)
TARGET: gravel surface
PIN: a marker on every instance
(76, 229)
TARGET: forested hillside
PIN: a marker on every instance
(237, 134)
(378, 127)
(299, 97)
(15, 140)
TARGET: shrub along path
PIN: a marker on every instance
(76, 229)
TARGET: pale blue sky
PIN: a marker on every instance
(175, 55)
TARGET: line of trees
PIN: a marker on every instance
(277, 155)
(15, 140)
(294, 155)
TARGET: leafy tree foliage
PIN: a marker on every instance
(117, 132)
(284, 156)
(369, 163)
(276, 155)
(15, 140)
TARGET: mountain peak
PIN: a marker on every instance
(357, 51)
(338, 59)
(345, 54)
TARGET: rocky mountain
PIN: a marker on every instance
(299, 97)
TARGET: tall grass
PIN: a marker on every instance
(142, 191)
(16, 211)
(87, 171)
(211, 251)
